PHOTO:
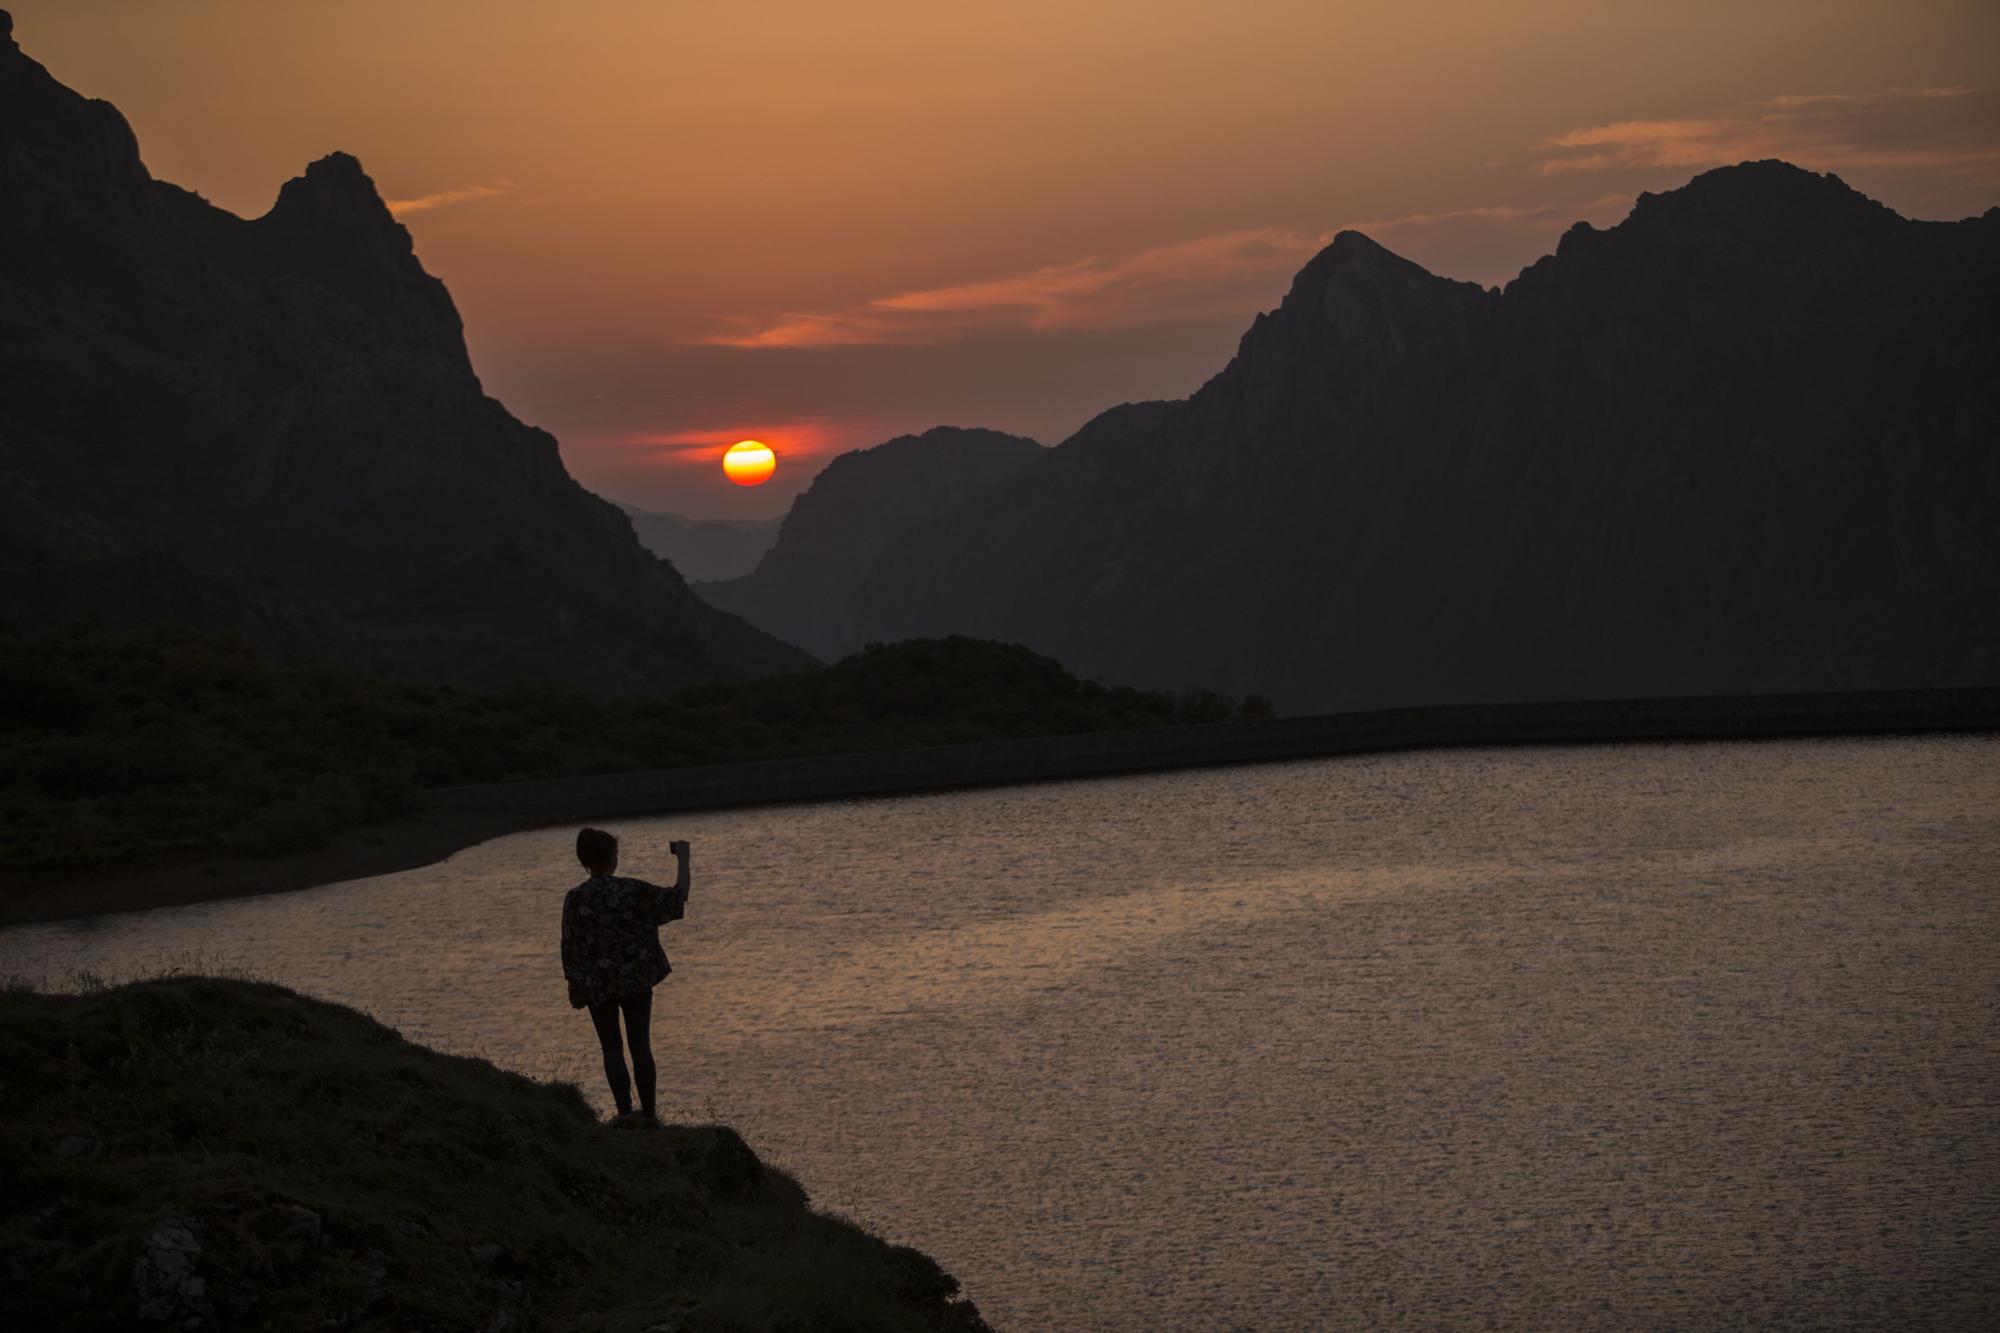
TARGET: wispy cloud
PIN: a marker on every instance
(1187, 280)
(1208, 276)
(1227, 275)
(1953, 132)
(424, 203)
(855, 328)
(1502, 217)
(1944, 129)
(1489, 244)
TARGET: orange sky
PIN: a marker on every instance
(671, 224)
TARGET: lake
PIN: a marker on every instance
(1668, 1034)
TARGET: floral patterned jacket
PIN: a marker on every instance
(611, 937)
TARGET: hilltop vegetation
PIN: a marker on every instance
(208, 1154)
(116, 747)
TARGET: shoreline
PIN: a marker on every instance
(461, 817)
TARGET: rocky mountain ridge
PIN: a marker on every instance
(862, 503)
(1747, 440)
(272, 427)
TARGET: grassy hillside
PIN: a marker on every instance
(208, 1154)
(122, 748)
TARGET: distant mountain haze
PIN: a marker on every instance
(864, 502)
(272, 427)
(1746, 440)
(705, 548)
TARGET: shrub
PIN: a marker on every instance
(123, 746)
(289, 826)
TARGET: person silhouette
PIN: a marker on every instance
(612, 959)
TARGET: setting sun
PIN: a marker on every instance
(749, 462)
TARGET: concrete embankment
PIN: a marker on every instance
(1098, 754)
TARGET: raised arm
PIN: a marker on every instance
(673, 900)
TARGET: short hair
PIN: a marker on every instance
(595, 847)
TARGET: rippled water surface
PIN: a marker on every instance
(1661, 1035)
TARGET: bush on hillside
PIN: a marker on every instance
(117, 748)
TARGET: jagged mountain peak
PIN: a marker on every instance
(336, 207)
(1768, 201)
(79, 146)
(1762, 179)
(1355, 261)
(1749, 221)
(936, 447)
(1357, 301)
(1350, 247)
(944, 459)
(332, 223)
(338, 177)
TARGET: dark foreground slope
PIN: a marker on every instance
(271, 427)
(207, 1154)
(1746, 441)
(865, 502)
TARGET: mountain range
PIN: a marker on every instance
(1746, 440)
(1743, 441)
(271, 427)
(705, 548)
(832, 540)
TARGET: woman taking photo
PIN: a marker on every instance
(612, 959)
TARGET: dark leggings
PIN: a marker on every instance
(638, 1010)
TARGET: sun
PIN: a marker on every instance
(749, 462)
